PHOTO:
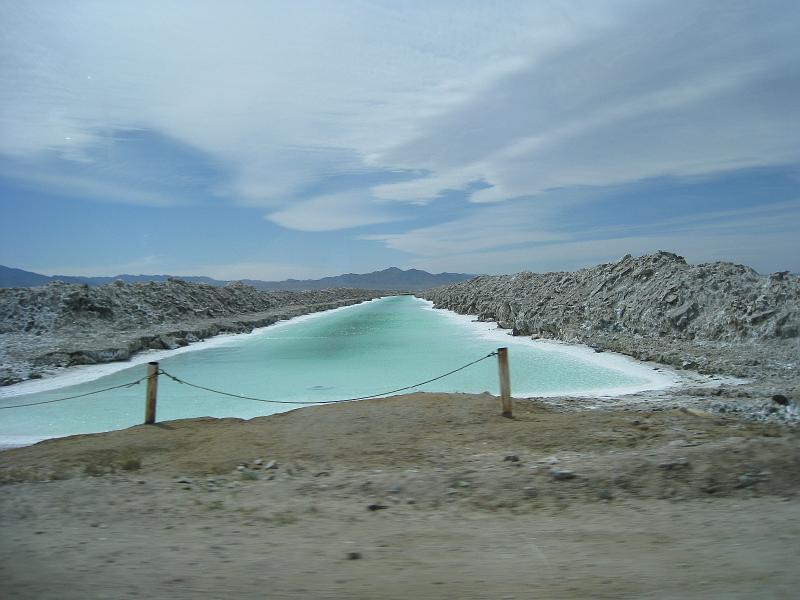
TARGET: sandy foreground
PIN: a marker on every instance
(418, 496)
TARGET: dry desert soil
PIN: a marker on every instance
(417, 496)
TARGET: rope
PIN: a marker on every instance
(116, 387)
(402, 389)
(207, 389)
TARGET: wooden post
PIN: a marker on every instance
(505, 381)
(152, 392)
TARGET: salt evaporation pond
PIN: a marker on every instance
(349, 352)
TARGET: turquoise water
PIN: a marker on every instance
(373, 347)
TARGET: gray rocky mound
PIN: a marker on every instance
(656, 295)
(715, 317)
(69, 324)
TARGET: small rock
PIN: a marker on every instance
(249, 475)
(780, 399)
(271, 465)
(511, 458)
(676, 463)
(561, 474)
(258, 462)
(374, 507)
(354, 555)
(186, 481)
(746, 480)
(531, 492)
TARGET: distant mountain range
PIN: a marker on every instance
(388, 279)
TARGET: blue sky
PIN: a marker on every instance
(301, 139)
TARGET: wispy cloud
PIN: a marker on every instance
(746, 249)
(279, 106)
(331, 212)
(503, 226)
(90, 188)
(517, 239)
(666, 93)
(557, 96)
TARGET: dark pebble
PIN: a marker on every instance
(780, 399)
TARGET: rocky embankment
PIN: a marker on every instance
(62, 325)
(715, 318)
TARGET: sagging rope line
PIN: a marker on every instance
(402, 389)
(115, 387)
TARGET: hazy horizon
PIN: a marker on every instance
(89, 275)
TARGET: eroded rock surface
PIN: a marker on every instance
(718, 318)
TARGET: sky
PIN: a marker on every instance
(301, 139)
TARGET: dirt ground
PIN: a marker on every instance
(418, 496)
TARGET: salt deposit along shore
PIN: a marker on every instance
(686, 492)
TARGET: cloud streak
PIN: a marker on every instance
(666, 93)
(515, 239)
(331, 212)
(293, 77)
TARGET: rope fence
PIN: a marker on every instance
(108, 389)
(402, 389)
(154, 371)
